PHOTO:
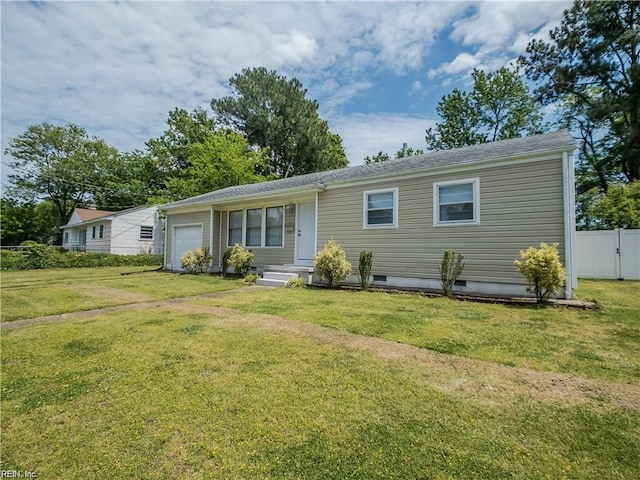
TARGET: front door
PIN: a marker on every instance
(306, 233)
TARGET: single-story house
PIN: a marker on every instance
(133, 231)
(486, 201)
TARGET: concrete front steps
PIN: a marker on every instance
(279, 275)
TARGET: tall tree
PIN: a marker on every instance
(405, 151)
(591, 66)
(273, 113)
(171, 149)
(28, 221)
(499, 107)
(222, 159)
(60, 164)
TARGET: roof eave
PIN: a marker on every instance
(312, 188)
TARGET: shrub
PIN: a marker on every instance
(241, 259)
(10, 260)
(196, 261)
(296, 283)
(40, 256)
(365, 265)
(251, 278)
(331, 263)
(450, 269)
(543, 270)
(225, 261)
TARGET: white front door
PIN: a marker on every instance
(306, 233)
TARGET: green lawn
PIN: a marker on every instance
(601, 343)
(35, 293)
(193, 391)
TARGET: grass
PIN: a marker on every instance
(35, 293)
(163, 394)
(600, 343)
(197, 392)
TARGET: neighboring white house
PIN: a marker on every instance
(128, 232)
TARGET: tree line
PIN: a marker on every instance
(588, 74)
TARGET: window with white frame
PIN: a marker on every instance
(235, 227)
(146, 232)
(456, 202)
(66, 237)
(101, 233)
(254, 228)
(94, 232)
(381, 208)
(274, 227)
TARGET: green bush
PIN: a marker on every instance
(225, 261)
(196, 261)
(296, 283)
(40, 256)
(450, 269)
(251, 278)
(331, 263)
(543, 270)
(241, 259)
(54, 259)
(364, 267)
(10, 260)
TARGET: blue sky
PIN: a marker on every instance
(377, 69)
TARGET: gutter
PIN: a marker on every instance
(311, 188)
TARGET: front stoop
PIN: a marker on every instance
(279, 275)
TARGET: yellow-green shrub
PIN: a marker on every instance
(543, 270)
(241, 259)
(331, 263)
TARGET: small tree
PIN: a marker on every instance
(225, 261)
(364, 267)
(196, 261)
(450, 269)
(543, 270)
(241, 259)
(331, 263)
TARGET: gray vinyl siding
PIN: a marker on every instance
(268, 255)
(520, 206)
(192, 218)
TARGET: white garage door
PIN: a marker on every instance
(184, 239)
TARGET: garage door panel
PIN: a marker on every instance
(184, 239)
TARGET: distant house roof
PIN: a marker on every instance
(87, 214)
(547, 142)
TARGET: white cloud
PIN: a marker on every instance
(367, 134)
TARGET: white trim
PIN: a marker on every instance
(211, 219)
(568, 185)
(475, 182)
(365, 208)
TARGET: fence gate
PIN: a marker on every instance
(608, 254)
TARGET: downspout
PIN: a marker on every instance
(220, 242)
(211, 219)
(569, 224)
(166, 229)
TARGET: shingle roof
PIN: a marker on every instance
(86, 214)
(555, 141)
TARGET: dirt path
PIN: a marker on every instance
(470, 378)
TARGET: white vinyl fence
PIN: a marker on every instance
(608, 254)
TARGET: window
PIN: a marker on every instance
(457, 202)
(381, 208)
(146, 232)
(66, 237)
(254, 228)
(93, 232)
(235, 227)
(273, 230)
(101, 231)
